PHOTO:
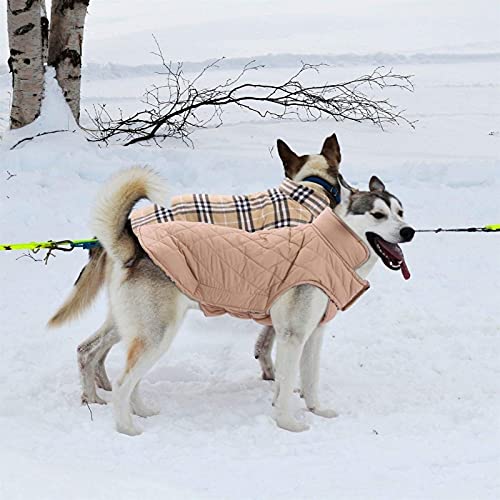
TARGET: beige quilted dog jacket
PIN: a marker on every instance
(228, 270)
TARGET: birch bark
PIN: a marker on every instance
(65, 47)
(25, 61)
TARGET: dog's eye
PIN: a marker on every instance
(400, 213)
(378, 215)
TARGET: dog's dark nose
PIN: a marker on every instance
(407, 233)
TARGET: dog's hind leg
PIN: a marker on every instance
(309, 374)
(295, 316)
(263, 352)
(149, 328)
(87, 353)
(101, 377)
(142, 354)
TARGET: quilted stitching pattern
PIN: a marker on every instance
(241, 273)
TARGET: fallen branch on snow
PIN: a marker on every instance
(26, 139)
(182, 105)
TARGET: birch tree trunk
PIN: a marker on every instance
(65, 47)
(25, 61)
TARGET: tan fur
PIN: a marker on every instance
(85, 290)
(135, 351)
(317, 165)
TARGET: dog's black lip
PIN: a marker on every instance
(390, 263)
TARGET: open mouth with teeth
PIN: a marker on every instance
(390, 254)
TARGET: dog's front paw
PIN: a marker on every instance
(129, 430)
(324, 412)
(291, 424)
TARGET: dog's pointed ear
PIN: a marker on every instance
(345, 190)
(291, 161)
(331, 150)
(376, 184)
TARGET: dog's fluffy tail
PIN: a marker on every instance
(85, 289)
(114, 204)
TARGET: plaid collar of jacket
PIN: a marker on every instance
(288, 205)
(311, 196)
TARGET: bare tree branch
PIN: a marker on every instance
(180, 106)
(39, 135)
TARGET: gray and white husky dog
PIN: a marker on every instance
(148, 309)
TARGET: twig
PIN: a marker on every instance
(38, 135)
(91, 416)
(10, 175)
(50, 253)
(30, 256)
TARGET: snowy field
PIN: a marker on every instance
(413, 369)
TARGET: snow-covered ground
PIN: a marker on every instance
(413, 369)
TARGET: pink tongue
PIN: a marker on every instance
(405, 271)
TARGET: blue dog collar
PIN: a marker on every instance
(330, 188)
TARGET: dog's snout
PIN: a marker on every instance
(407, 233)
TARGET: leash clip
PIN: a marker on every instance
(63, 245)
(51, 246)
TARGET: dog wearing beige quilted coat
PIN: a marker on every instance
(293, 278)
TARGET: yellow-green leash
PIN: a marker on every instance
(64, 245)
(51, 246)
